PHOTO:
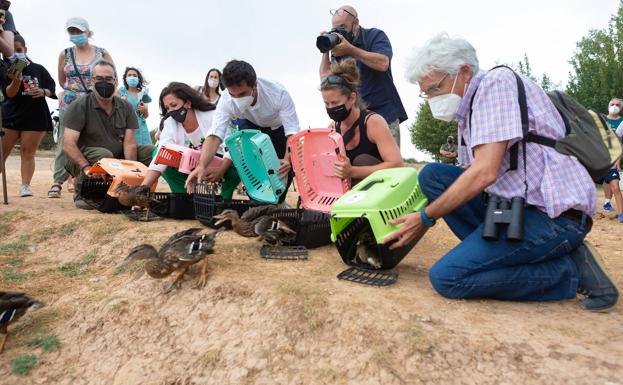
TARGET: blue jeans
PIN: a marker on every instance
(536, 269)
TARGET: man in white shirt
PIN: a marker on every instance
(256, 104)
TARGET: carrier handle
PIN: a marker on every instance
(370, 184)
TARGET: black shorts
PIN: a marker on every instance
(613, 174)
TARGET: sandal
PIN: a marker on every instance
(55, 191)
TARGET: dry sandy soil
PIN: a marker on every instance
(271, 322)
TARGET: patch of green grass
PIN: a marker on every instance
(48, 343)
(108, 227)
(415, 338)
(68, 228)
(88, 258)
(310, 303)
(131, 268)
(44, 234)
(5, 229)
(15, 261)
(7, 219)
(71, 269)
(22, 364)
(74, 269)
(12, 275)
(16, 248)
(63, 230)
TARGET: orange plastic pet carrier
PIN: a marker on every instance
(98, 188)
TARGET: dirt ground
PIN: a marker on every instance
(271, 322)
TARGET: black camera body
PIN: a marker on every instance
(502, 211)
(327, 41)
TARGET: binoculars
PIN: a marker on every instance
(501, 211)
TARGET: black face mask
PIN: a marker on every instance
(179, 115)
(338, 113)
(105, 90)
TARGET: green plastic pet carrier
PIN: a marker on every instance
(360, 218)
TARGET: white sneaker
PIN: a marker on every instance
(25, 191)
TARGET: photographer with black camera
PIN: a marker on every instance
(372, 50)
(524, 239)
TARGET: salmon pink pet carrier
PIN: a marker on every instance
(313, 153)
(185, 159)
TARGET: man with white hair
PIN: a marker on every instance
(371, 48)
(551, 261)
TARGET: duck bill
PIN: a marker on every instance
(219, 220)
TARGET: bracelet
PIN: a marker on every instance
(429, 222)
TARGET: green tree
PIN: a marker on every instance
(524, 68)
(428, 133)
(598, 64)
(546, 83)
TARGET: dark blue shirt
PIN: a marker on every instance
(9, 24)
(377, 88)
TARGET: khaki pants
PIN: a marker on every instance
(94, 154)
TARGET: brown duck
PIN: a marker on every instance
(179, 252)
(135, 196)
(13, 305)
(258, 222)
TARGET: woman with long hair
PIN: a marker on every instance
(188, 120)
(134, 90)
(368, 141)
(212, 86)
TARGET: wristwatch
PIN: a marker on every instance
(428, 222)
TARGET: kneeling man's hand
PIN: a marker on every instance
(412, 228)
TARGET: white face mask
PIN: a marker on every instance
(243, 103)
(614, 110)
(213, 83)
(444, 107)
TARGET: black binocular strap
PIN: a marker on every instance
(523, 111)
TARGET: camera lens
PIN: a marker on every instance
(327, 41)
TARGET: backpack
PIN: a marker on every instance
(587, 136)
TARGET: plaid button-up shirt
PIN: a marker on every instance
(556, 182)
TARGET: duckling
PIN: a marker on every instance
(135, 196)
(273, 230)
(245, 228)
(179, 252)
(270, 229)
(13, 305)
(367, 250)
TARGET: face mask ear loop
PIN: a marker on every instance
(454, 83)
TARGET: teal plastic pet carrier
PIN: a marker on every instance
(254, 156)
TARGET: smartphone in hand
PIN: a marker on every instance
(18, 65)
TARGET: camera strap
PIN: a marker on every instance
(73, 61)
